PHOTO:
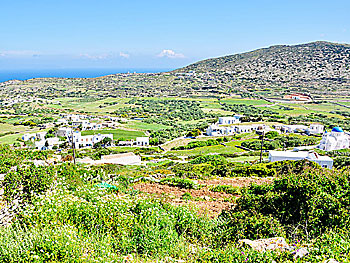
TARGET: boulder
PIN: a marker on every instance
(274, 243)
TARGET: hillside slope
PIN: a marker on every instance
(319, 68)
(317, 64)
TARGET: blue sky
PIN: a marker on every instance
(41, 34)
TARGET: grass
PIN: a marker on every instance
(185, 141)
(245, 101)
(139, 125)
(244, 159)
(230, 148)
(9, 139)
(304, 109)
(91, 106)
(6, 127)
(18, 129)
(117, 133)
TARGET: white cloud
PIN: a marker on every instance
(124, 55)
(170, 54)
(95, 57)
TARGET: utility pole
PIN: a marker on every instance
(262, 145)
(73, 145)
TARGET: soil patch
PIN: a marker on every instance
(237, 181)
(208, 202)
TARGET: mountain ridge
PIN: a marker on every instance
(319, 68)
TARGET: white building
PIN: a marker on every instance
(41, 135)
(95, 126)
(335, 140)
(323, 161)
(142, 141)
(249, 128)
(229, 120)
(40, 145)
(27, 137)
(82, 124)
(62, 121)
(216, 130)
(50, 142)
(294, 128)
(73, 117)
(87, 140)
(64, 132)
(315, 129)
(122, 159)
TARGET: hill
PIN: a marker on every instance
(319, 68)
(317, 65)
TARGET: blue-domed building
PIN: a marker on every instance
(335, 140)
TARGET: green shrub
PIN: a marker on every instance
(211, 159)
(187, 170)
(272, 134)
(341, 161)
(229, 189)
(180, 182)
(317, 199)
(244, 170)
(240, 225)
(27, 181)
(145, 226)
(187, 196)
(334, 244)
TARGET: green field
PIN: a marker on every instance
(244, 159)
(98, 106)
(9, 139)
(246, 101)
(230, 148)
(18, 131)
(139, 125)
(6, 127)
(117, 133)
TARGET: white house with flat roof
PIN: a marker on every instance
(323, 161)
(229, 120)
(122, 159)
(142, 141)
(87, 140)
(315, 129)
(64, 132)
(216, 130)
(294, 128)
(249, 128)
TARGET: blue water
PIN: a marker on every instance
(67, 73)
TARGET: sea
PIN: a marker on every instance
(6, 75)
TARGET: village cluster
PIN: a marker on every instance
(70, 127)
(69, 131)
(337, 139)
